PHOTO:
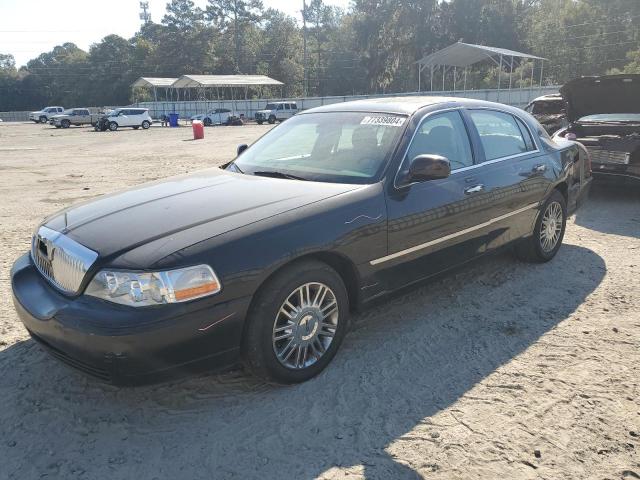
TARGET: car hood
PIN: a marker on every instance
(606, 94)
(60, 115)
(36, 112)
(221, 200)
(264, 111)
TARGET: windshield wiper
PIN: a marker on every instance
(278, 175)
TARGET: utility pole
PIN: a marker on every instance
(305, 86)
(145, 16)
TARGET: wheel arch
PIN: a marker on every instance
(563, 188)
(343, 266)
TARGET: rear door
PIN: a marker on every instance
(432, 224)
(510, 178)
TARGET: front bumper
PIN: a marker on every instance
(127, 345)
(617, 173)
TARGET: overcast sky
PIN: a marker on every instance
(30, 27)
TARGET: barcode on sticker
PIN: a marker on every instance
(387, 121)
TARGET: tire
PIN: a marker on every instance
(260, 122)
(547, 236)
(43, 119)
(145, 124)
(318, 341)
(207, 122)
(97, 128)
(272, 119)
(65, 124)
(113, 126)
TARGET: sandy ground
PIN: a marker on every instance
(501, 370)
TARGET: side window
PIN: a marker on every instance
(526, 134)
(443, 134)
(499, 133)
(294, 106)
(280, 107)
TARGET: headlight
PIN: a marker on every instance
(140, 289)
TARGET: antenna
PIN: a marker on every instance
(145, 16)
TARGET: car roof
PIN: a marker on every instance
(546, 98)
(404, 105)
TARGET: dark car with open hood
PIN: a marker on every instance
(604, 115)
(263, 260)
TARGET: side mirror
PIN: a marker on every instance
(242, 148)
(429, 167)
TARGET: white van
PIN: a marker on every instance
(129, 117)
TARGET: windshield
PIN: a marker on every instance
(547, 107)
(271, 106)
(612, 117)
(339, 147)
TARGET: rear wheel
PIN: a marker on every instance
(548, 233)
(296, 324)
(146, 124)
(113, 126)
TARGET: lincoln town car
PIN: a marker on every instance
(262, 261)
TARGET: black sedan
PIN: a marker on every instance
(264, 259)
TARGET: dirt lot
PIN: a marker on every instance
(501, 370)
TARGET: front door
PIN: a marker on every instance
(430, 226)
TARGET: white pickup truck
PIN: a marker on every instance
(74, 116)
(43, 116)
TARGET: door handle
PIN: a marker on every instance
(474, 189)
(539, 168)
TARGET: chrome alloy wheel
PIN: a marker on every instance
(305, 325)
(551, 226)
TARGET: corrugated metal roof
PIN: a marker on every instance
(194, 81)
(464, 54)
(153, 82)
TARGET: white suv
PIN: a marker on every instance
(43, 116)
(129, 117)
(276, 111)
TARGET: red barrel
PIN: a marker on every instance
(198, 130)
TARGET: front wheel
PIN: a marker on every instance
(113, 126)
(296, 323)
(66, 124)
(260, 122)
(146, 124)
(272, 119)
(548, 233)
(43, 119)
(207, 122)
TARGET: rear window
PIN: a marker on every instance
(499, 133)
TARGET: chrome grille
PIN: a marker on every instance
(61, 260)
(600, 155)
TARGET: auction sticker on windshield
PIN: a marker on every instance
(387, 121)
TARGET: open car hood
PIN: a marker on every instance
(606, 94)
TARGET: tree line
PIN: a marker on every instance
(371, 47)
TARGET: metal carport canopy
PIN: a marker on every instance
(154, 82)
(464, 54)
(204, 81)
